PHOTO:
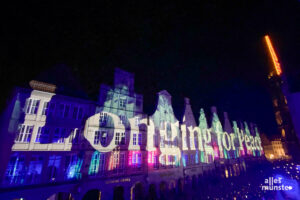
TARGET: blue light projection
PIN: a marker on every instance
(15, 173)
(287, 188)
(197, 157)
(184, 160)
(35, 169)
(74, 167)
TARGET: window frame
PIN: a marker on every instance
(24, 134)
(134, 139)
(122, 103)
(117, 138)
(32, 106)
(97, 138)
(59, 135)
(42, 133)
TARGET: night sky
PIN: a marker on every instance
(212, 52)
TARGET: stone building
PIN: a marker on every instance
(62, 147)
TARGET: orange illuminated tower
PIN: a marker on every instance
(280, 96)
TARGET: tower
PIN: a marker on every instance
(280, 95)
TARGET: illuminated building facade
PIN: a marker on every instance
(283, 103)
(274, 149)
(278, 149)
(62, 147)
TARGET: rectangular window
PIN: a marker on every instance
(94, 165)
(137, 159)
(97, 137)
(53, 167)
(45, 108)
(35, 169)
(42, 135)
(32, 106)
(38, 135)
(140, 139)
(28, 106)
(28, 133)
(117, 139)
(122, 103)
(63, 110)
(123, 138)
(20, 134)
(116, 162)
(24, 134)
(103, 118)
(73, 164)
(134, 139)
(14, 173)
(97, 163)
(35, 106)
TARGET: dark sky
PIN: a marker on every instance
(211, 52)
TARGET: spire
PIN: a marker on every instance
(188, 116)
(202, 120)
(273, 55)
(216, 124)
(227, 125)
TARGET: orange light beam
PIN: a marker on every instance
(273, 55)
